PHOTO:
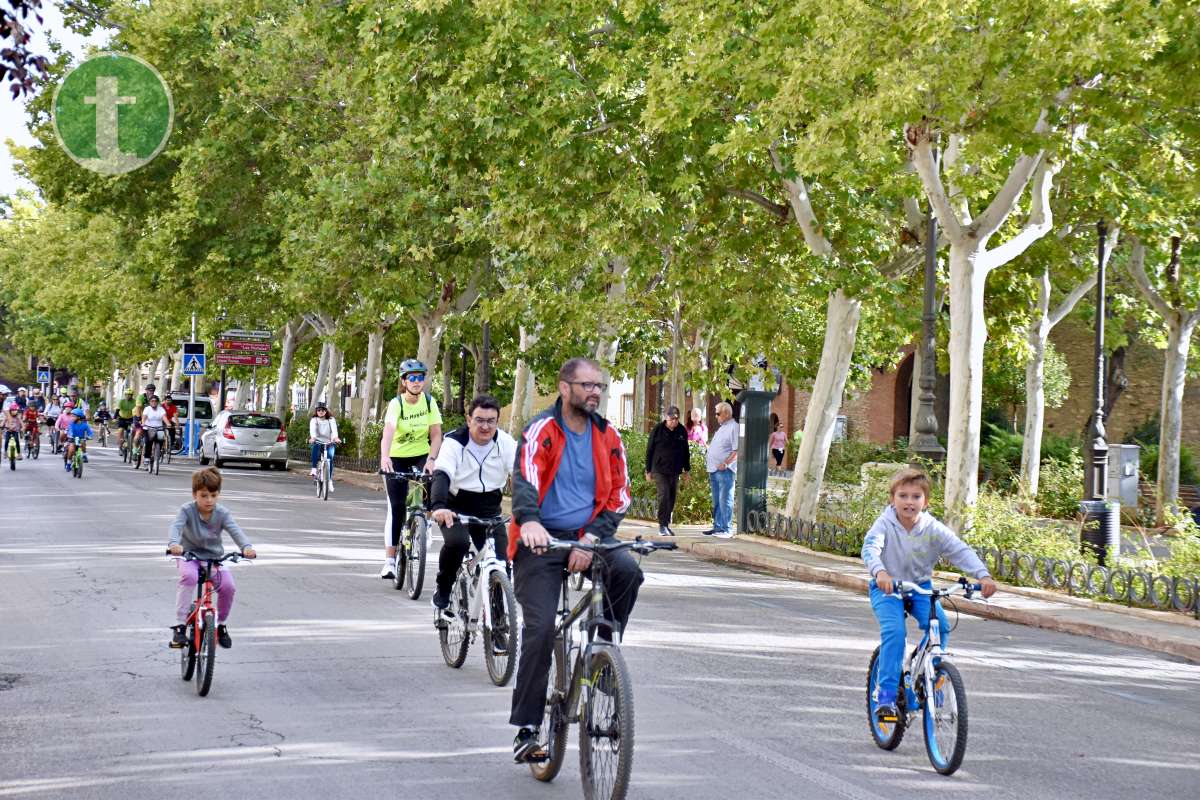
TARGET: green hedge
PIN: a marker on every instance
(694, 501)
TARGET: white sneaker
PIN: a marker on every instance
(389, 569)
(331, 487)
(312, 473)
(724, 534)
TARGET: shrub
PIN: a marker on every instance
(847, 457)
(694, 500)
(999, 523)
(1148, 464)
(297, 433)
(1060, 487)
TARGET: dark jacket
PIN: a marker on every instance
(539, 453)
(667, 451)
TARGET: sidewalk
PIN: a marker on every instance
(1163, 632)
(1160, 631)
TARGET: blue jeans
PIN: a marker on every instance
(316, 455)
(721, 484)
(889, 610)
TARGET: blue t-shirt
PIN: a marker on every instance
(571, 497)
(80, 429)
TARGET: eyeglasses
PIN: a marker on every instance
(489, 422)
(588, 386)
(415, 376)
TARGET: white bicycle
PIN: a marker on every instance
(324, 478)
(481, 575)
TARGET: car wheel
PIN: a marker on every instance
(218, 462)
(203, 458)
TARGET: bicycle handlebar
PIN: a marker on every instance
(486, 522)
(968, 589)
(638, 545)
(413, 475)
(188, 555)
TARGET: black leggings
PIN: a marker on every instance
(397, 495)
(456, 541)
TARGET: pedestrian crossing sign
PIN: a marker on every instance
(193, 358)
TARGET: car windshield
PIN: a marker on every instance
(254, 421)
(203, 410)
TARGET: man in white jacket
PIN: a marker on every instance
(469, 476)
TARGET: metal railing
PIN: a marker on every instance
(1119, 585)
(350, 463)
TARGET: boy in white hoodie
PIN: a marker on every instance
(903, 545)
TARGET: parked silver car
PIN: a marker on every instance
(246, 436)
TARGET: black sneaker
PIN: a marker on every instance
(886, 714)
(223, 637)
(178, 640)
(440, 601)
(526, 747)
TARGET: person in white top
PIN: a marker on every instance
(472, 469)
(322, 432)
(154, 425)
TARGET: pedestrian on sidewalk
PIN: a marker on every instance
(667, 456)
(721, 463)
(697, 429)
(903, 545)
(778, 444)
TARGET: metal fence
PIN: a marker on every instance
(351, 463)
(1119, 585)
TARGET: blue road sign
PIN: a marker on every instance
(193, 364)
(43, 375)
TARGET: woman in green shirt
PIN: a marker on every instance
(412, 436)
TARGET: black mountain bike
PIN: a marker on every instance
(597, 692)
(414, 544)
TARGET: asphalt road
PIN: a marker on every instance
(747, 686)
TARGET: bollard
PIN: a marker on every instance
(1101, 529)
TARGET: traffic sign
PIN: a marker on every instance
(243, 345)
(43, 374)
(193, 358)
(239, 333)
(242, 359)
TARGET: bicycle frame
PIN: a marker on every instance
(920, 661)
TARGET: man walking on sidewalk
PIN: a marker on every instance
(667, 455)
(721, 463)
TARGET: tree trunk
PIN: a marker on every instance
(675, 380)
(372, 382)
(287, 353)
(322, 374)
(1035, 389)
(447, 378)
(160, 375)
(638, 423)
(606, 343)
(430, 328)
(240, 397)
(334, 392)
(524, 385)
(968, 332)
(842, 315)
(914, 403)
(1179, 340)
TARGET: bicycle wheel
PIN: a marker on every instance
(554, 726)
(137, 457)
(37, 446)
(323, 479)
(206, 659)
(606, 727)
(946, 719)
(500, 640)
(124, 451)
(416, 559)
(187, 656)
(453, 634)
(77, 466)
(887, 735)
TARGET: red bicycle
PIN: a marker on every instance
(199, 657)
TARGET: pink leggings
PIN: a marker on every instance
(189, 574)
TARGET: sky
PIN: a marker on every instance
(12, 112)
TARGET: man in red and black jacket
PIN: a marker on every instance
(570, 481)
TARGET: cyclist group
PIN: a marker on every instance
(137, 419)
(570, 483)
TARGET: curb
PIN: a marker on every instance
(728, 553)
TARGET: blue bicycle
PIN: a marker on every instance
(930, 684)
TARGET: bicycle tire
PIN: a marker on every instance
(886, 736)
(206, 659)
(606, 727)
(37, 447)
(946, 711)
(416, 560)
(77, 467)
(187, 655)
(503, 607)
(323, 481)
(137, 457)
(401, 565)
(555, 726)
(453, 636)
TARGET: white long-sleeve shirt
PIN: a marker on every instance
(322, 431)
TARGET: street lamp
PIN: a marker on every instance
(925, 445)
(1101, 520)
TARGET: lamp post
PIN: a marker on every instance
(1095, 485)
(924, 445)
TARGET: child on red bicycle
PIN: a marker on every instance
(31, 418)
(197, 528)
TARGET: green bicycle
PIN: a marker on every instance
(13, 449)
(76, 456)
